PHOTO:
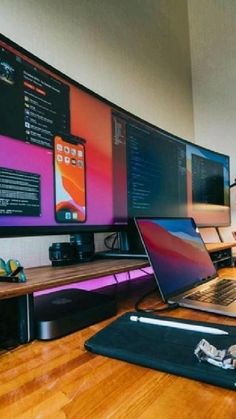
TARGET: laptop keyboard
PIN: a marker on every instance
(223, 292)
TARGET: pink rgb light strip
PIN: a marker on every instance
(95, 284)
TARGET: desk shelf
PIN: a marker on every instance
(46, 277)
(221, 254)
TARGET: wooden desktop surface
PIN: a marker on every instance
(60, 379)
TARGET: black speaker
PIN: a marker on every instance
(16, 321)
(84, 246)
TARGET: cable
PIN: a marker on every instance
(116, 279)
(168, 307)
(150, 274)
(111, 246)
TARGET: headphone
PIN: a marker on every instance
(11, 271)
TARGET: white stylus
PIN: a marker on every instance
(184, 326)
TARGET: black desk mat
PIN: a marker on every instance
(164, 348)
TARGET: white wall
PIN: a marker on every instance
(134, 53)
(213, 55)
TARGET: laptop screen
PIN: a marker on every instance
(176, 252)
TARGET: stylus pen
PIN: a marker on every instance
(184, 326)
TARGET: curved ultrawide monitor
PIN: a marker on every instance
(71, 161)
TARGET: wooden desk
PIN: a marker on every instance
(60, 379)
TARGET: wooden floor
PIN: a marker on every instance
(60, 379)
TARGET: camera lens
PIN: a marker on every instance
(84, 246)
(62, 254)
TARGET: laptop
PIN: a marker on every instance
(183, 269)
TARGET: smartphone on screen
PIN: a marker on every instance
(69, 179)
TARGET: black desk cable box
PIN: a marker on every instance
(62, 312)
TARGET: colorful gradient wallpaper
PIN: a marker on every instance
(177, 253)
(37, 106)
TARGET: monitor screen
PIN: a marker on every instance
(177, 253)
(56, 150)
(168, 176)
(208, 180)
(71, 161)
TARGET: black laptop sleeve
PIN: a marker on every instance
(164, 348)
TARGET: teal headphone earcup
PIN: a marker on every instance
(3, 269)
(12, 265)
(8, 267)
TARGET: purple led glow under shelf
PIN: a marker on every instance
(105, 281)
